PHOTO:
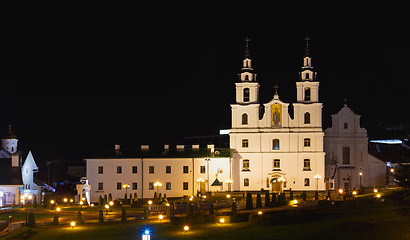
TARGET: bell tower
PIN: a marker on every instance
(247, 90)
(307, 87)
(9, 141)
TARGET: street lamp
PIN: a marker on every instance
(24, 199)
(229, 182)
(360, 175)
(65, 202)
(281, 180)
(157, 184)
(207, 170)
(107, 207)
(317, 177)
(126, 186)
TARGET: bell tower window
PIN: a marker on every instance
(246, 94)
(307, 94)
(307, 118)
(244, 119)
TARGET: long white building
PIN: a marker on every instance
(180, 171)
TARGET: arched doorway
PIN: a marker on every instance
(277, 182)
(276, 185)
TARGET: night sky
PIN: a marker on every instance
(77, 79)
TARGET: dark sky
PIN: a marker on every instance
(76, 79)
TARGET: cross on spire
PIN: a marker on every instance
(247, 54)
(307, 53)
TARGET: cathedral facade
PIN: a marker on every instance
(277, 145)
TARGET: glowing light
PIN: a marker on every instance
(81, 202)
(167, 204)
(360, 173)
(375, 190)
(224, 131)
(228, 196)
(378, 195)
(83, 198)
(388, 141)
(111, 203)
(65, 200)
(157, 184)
(52, 201)
(72, 224)
(354, 192)
(107, 206)
(340, 191)
(149, 202)
(200, 180)
(71, 200)
(161, 217)
(58, 209)
(260, 213)
(146, 232)
(186, 228)
(222, 220)
(392, 170)
(295, 201)
(317, 176)
(92, 205)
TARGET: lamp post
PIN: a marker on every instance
(317, 177)
(229, 182)
(107, 207)
(360, 175)
(126, 186)
(207, 170)
(24, 199)
(157, 184)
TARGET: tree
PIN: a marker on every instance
(159, 198)
(31, 220)
(105, 199)
(249, 203)
(34, 201)
(123, 215)
(258, 201)
(145, 213)
(100, 201)
(100, 216)
(234, 212)
(135, 197)
(79, 218)
(211, 215)
(155, 198)
(274, 202)
(109, 197)
(267, 199)
(55, 220)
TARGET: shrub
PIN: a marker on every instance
(100, 201)
(109, 197)
(258, 201)
(274, 202)
(267, 199)
(145, 213)
(211, 216)
(234, 212)
(249, 203)
(100, 216)
(123, 215)
(105, 199)
(55, 220)
(79, 218)
(31, 220)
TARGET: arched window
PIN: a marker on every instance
(307, 117)
(346, 155)
(307, 94)
(246, 77)
(246, 182)
(244, 119)
(246, 94)
(307, 182)
(275, 144)
(307, 75)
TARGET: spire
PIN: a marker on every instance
(276, 95)
(10, 134)
(247, 54)
(307, 53)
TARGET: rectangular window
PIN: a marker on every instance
(246, 182)
(185, 169)
(306, 164)
(345, 125)
(168, 186)
(134, 186)
(100, 169)
(119, 169)
(276, 163)
(151, 185)
(134, 169)
(151, 169)
(275, 144)
(245, 143)
(168, 169)
(119, 186)
(307, 182)
(185, 186)
(306, 142)
(203, 169)
(100, 186)
(245, 165)
(346, 155)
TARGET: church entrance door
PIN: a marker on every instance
(276, 185)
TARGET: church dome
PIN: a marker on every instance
(10, 134)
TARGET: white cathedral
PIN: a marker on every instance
(274, 146)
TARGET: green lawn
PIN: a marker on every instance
(385, 223)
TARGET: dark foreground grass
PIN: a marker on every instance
(384, 223)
